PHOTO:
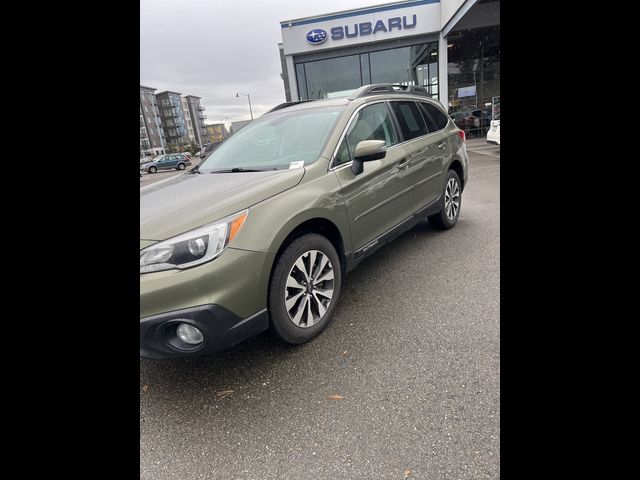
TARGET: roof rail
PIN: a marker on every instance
(415, 89)
(371, 90)
(287, 104)
(379, 88)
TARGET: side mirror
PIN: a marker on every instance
(366, 151)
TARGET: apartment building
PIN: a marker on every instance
(144, 135)
(151, 134)
(168, 118)
(173, 118)
(188, 121)
(197, 115)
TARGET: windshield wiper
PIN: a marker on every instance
(242, 169)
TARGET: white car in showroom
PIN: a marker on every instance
(493, 135)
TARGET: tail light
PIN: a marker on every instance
(462, 136)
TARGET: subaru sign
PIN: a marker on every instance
(368, 28)
(368, 25)
(316, 36)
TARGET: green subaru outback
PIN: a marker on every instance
(261, 234)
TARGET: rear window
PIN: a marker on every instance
(410, 119)
(436, 119)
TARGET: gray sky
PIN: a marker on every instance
(214, 48)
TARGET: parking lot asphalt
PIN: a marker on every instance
(404, 383)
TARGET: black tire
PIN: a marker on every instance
(441, 220)
(152, 170)
(181, 166)
(281, 324)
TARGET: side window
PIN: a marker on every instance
(435, 114)
(372, 123)
(343, 155)
(410, 119)
(431, 124)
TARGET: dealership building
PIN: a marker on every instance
(452, 47)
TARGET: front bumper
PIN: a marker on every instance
(225, 297)
(220, 328)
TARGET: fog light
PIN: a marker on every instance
(189, 334)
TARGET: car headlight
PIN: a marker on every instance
(192, 248)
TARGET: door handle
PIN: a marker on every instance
(404, 163)
(442, 146)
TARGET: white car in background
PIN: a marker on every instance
(493, 135)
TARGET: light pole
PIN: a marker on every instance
(249, 96)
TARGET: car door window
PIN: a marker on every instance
(410, 119)
(435, 118)
(431, 124)
(371, 123)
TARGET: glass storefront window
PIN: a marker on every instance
(413, 65)
(405, 65)
(391, 66)
(302, 81)
(331, 76)
(364, 69)
(433, 73)
(474, 65)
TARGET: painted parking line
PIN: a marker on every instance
(485, 154)
(483, 147)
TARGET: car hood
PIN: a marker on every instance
(195, 200)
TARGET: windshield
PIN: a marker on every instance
(278, 141)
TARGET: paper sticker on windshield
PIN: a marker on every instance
(293, 165)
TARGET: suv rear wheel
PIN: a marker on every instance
(448, 215)
(304, 289)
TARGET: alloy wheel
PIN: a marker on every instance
(309, 288)
(452, 199)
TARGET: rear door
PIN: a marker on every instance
(173, 160)
(380, 197)
(436, 155)
(422, 148)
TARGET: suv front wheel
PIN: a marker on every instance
(304, 289)
(448, 215)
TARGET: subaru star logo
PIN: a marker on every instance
(317, 36)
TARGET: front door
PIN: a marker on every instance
(380, 197)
